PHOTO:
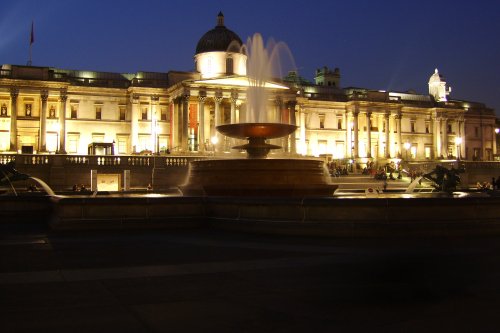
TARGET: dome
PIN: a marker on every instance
(219, 39)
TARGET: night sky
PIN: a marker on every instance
(386, 45)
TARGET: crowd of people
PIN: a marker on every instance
(80, 188)
(493, 185)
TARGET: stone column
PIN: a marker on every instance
(185, 121)
(399, 117)
(369, 134)
(293, 121)
(134, 123)
(62, 121)
(494, 136)
(462, 135)
(14, 93)
(444, 140)
(437, 137)
(387, 151)
(154, 124)
(355, 115)
(303, 130)
(234, 99)
(201, 130)
(217, 120)
(348, 136)
(43, 122)
(179, 121)
(278, 103)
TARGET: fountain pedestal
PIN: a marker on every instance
(256, 175)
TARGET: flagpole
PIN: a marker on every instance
(32, 40)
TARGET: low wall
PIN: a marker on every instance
(26, 209)
(77, 213)
(358, 217)
(293, 216)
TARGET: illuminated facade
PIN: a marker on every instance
(50, 110)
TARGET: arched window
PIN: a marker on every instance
(229, 66)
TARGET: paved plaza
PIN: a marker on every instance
(215, 281)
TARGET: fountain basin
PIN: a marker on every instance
(258, 177)
(257, 134)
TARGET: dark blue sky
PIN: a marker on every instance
(387, 45)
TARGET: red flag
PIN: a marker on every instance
(32, 36)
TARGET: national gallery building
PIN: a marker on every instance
(45, 110)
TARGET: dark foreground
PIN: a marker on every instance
(213, 281)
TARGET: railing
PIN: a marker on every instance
(101, 161)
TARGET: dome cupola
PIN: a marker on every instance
(219, 38)
(219, 52)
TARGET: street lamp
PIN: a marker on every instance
(407, 146)
(214, 140)
(458, 142)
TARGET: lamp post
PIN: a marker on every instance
(214, 140)
(458, 142)
(407, 146)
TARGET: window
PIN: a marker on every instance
(164, 115)
(97, 137)
(449, 128)
(427, 128)
(74, 113)
(144, 142)
(72, 146)
(27, 109)
(3, 112)
(321, 121)
(412, 125)
(122, 113)
(476, 132)
(144, 114)
(322, 146)
(413, 151)
(477, 154)
(339, 123)
(98, 112)
(4, 140)
(489, 154)
(229, 66)
(427, 152)
(122, 145)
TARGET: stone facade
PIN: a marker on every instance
(49, 110)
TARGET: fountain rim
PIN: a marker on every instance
(256, 130)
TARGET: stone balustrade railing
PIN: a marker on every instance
(97, 161)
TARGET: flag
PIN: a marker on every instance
(32, 35)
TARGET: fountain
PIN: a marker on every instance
(258, 175)
(10, 174)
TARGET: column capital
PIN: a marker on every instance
(14, 92)
(202, 98)
(63, 96)
(218, 96)
(291, 104)
(134, 98)
(155, 99)
(44, 95)
(234, 96)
